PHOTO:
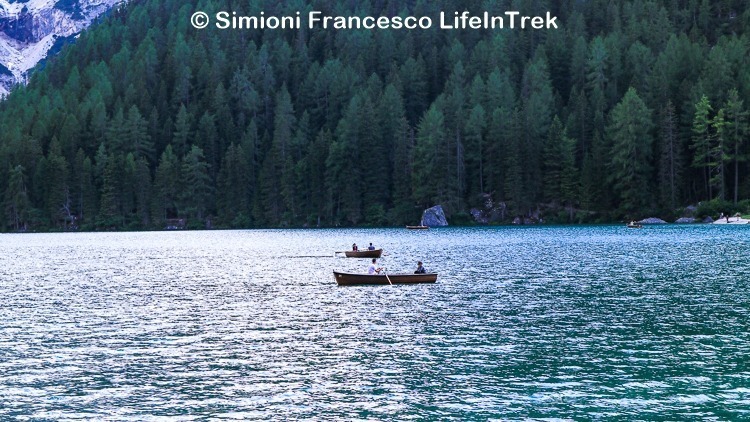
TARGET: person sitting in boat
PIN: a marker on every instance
(371, 248)
(355, 248)
(420, 268)
(374, 269)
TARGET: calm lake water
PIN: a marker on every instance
(566, 323)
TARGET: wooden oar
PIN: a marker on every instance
(386, 276)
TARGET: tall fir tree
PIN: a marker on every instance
(736, 131)
(632, 144)
(670, 166)
(17, 204)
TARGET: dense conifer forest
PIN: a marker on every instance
(629, 109)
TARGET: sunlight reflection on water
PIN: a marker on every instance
(566, 322)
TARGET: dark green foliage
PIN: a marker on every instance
(670, 165)
(146, 122)
(629, 167)
(17, 205)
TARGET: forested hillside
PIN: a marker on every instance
(630, 108)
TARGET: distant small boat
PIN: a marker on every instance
(634, 225)
(364, 254)
(345, 279)
(417, 227)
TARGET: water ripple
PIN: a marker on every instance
(547, 323)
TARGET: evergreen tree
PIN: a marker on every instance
(233, 200)
(718, 155)
(196, 191)
(537, 100)
(630, 165)
(736, 130)
(83, 190)
(17, 204)
(137, 137)
(429, 176)
(560, 173)
(475, 128)
(142, 189)
(702, 142)
(181, 133)
(514, 167)
(57, 190)
(316, 168)
(110, 214)
(670, 168)
(165, 203)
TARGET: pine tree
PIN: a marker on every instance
(233, 200)
(142, 189)
(630, 165)
(514, 165)
(391, 123)
(670, 168)
(197, 190)
(56, 187)
(82, 190)
(736, 131)
(537, 100)
(475, 151)
(137, 137)
(181, 133)
(17, 204)
(718, 155)
(429, 175)
(117, 136)
(165, 200)
(316, 167)
(553, 161)
(702, 141)
(110, 214)
(277, 187)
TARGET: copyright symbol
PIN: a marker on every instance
(199, 20)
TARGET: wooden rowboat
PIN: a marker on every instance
(364, 254)
(417, 227)
(346, 279)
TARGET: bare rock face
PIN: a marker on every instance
(30, 29)
(434, 217)
(686, 220)
(491, 212)
(652, 220)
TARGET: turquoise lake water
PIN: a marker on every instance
(550, 322)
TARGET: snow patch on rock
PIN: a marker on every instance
(29, 29)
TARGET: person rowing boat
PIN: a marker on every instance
(373, 268)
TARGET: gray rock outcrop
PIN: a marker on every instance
(490, 212)
(434, 217)
(689, 211)
(652, 220)
(686, 220)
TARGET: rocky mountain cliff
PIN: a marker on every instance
(30, 29)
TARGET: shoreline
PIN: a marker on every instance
(734, 221)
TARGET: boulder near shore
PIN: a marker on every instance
(434, 217)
